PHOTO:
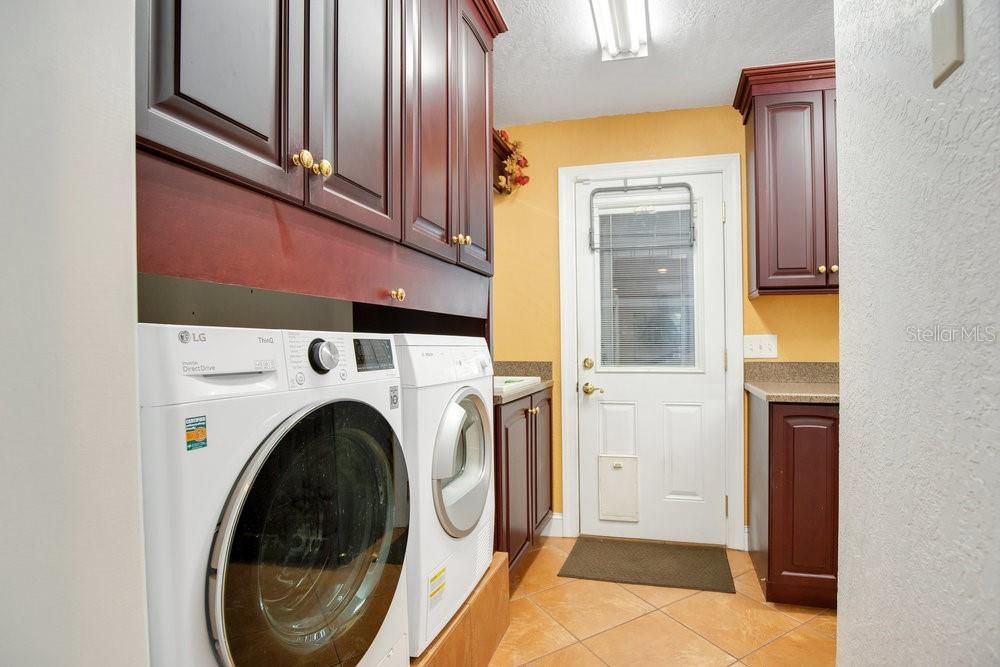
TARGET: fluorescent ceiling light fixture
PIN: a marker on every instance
(622, 28)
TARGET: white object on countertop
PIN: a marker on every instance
(504, 386)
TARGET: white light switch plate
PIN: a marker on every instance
(764, 346)
(947, 39)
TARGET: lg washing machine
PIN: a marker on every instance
(276, 503)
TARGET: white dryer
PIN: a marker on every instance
(448, 443)
(275, 489)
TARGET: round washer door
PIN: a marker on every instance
(309, 549)
(461, 473)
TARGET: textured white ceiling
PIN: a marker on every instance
(548, 66)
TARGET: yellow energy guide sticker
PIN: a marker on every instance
(196, 432)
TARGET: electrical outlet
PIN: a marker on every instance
(764, 346)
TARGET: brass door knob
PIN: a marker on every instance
(303, 159)
(398, 295)
(589, 388)
(588, 363)
(822, 268)
(834, 269)
(323, 168)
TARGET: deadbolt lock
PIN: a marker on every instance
(588, 363)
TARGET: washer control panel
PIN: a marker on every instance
(324, 359)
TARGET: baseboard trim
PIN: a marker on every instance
(554, 526)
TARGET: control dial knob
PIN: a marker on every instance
(323, 356)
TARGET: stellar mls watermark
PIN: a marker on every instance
(954, 333)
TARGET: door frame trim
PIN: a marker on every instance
(734, 454)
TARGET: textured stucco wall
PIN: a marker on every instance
(919, 188)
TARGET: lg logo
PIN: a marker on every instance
(186, 337)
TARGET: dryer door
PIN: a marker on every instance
(310, 546)
(463, 463)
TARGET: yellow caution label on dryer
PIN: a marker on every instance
(437, 583)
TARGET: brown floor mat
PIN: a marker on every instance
(704, 568)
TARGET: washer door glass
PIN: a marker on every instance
(463, 462)
(310, 547)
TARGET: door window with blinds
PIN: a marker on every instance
(645, 249)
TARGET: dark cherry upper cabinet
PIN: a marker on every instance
(514, 521)
(789, 112)
(474, 137)
(541, 444)
(429, 152)
(448, 129)
(830, 151)
(219, 84)
(793, 494)
(391, 100)
(355, 111)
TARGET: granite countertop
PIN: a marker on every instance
(795, 392)
(793, 382)
(527, 389)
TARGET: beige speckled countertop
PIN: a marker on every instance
(527, 390)
(793, 382)
(795, 392)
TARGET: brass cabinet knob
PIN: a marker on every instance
(323, 168)
(834, 269)
(822, 268)
(468, 240)
(303, 159)
(398, 294)
(534, 411)
(458, 239)
(589, 388)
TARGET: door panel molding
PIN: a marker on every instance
(355, 113)
(729, 166)
(244, 127)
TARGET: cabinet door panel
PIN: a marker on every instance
(790, 173)
(803, 495)
(832, 225)
(429, 153)
(516, 445)
(355, 111)
(474, 138)
(219, 83)
(542, 456)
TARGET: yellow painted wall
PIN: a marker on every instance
(526, 236)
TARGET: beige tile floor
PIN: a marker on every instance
(569, 622)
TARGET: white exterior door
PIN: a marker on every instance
(651, 341)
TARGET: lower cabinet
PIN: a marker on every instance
(793, 500)
(523, 459)
(541, 485)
